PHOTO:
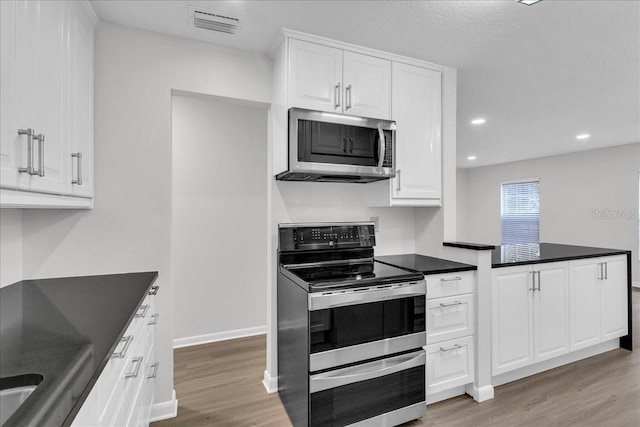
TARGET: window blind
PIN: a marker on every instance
(520, 213)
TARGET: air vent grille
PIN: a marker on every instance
(214, 21)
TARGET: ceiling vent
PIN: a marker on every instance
(214, 21)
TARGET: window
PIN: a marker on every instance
(520, 212)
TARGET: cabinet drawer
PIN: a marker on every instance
(449, 364)
(449, 318)
(445, 285)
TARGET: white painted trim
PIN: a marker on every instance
(219, 336)
(270, 384)
(446, 394)
(565, 359)
(165, 410)
(636, 284)
(16, 198)
(480, 394)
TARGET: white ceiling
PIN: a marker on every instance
(538, 74)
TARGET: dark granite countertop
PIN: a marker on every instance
(424, 264)
(469, 245)
(534, 253)
(63, 331)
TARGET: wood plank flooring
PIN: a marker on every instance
(220, 384)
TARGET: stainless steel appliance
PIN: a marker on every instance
(350, 329)
(339, 148)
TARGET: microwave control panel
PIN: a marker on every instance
(299, 238)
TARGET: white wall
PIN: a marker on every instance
(572, 187)
(10, 246)
(129, 229)
(219, 217)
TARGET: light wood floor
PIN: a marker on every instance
(220, 384)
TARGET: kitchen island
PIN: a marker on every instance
(57, 335)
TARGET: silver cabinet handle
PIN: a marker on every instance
(606, 270)
(601, 276)
(450, 305)
(399, 182)
(154, 319)
(348, 97)
(533, 280)
(40, 139)
(154, 290)
(142, 311)
(539, 281)
(127, 342)
(77, 181)
(455, 347)
(365, 371)
(155, 370)
(450, 279)
(338, 95)
(133, 374)
(29, 132)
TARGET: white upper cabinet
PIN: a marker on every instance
(47, 103)
(329, 79)
(417, 112)
(367, 86)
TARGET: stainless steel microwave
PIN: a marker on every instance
(335, 147)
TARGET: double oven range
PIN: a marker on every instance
(350, 330)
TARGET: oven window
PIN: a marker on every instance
(365, 399)
(358, 324)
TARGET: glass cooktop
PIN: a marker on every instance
(353, 275)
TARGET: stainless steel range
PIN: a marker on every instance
(350, 329)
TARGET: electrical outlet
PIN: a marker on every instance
(376, 222)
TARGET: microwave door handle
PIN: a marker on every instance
(382, 146)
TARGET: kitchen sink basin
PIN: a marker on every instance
(14, 391)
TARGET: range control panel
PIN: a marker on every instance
(326, 236)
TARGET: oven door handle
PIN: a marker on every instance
(366, 371)
(321, 301)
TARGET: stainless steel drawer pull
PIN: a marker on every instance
(154, 290)
(455, 347)
(127, 342)
(155, 370)
(77, 181)
(133, 374)
(338, 95)
(398, 172)
(29, 132)
(154, 320)
(40, 139)
(142, 311)
(450, 279)
(453, 304)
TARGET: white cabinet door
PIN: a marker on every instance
(512, 323)
(367, 86)
(12, 104)
(551, 310)
(416, 108)
(614, 297)
(80, 118)
(45, 91)
(584, 288)
(315, 76)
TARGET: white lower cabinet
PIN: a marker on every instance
(123, 394)
(450, 325)
(530, 315)
(598, 300)
(449, 364)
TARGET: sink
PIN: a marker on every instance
(14, 391)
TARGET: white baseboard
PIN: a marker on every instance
(556, 362)
(219, 336)
(165, 410)
(270, 384)
(636, 284)
(480, 394)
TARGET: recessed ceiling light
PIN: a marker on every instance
(477, 121)
(471, 158)
(528, 2)
(583, 136)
